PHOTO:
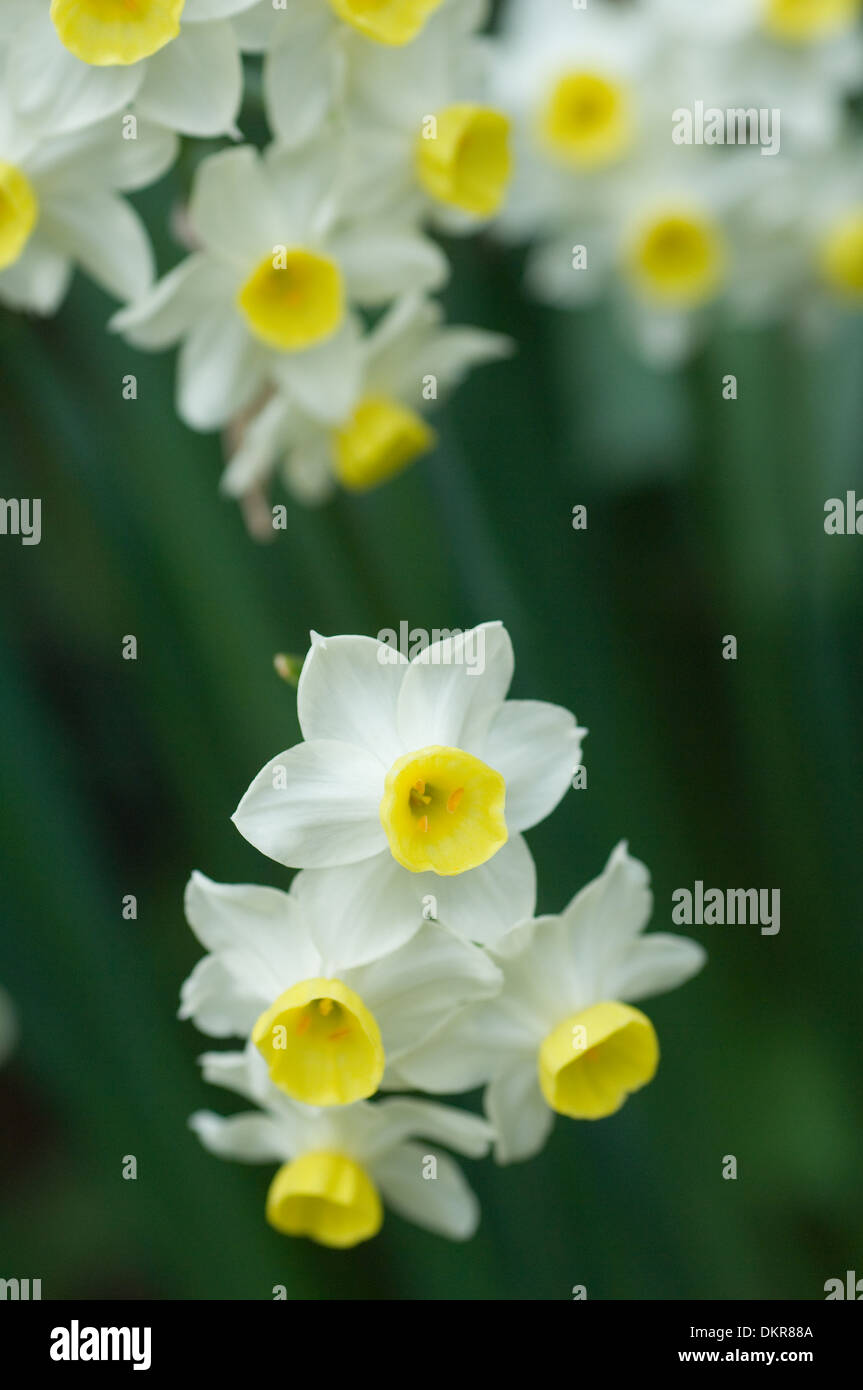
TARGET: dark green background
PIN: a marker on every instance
(705, 518)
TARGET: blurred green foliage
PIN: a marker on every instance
(118, 777)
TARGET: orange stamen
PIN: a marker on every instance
(455, 799)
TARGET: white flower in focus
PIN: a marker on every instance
(312, 49)
(410, 359)
(420, 132)
(72, 62)
(341, 1167)
(266, 301)
(60, 207)
(562, 1036)
(415, 780)
(327, 1007)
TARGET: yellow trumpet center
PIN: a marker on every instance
(841, 256)
(393, 22)
(585, 121)
(321, 1044)
(327, 1197)
(443, 810)
(380, 440)
(19, 213)
(677, 258)
(293, 299)
(106, 33)
(463, 158)
(805, 21)
(592, 1061)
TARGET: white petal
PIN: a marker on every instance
(470, 1049)
(220, 370)
(199, 11)
(485, 902)
(355, 912)
(610, 911)
(380, 261)
(231, 208)
(515, 1105)
(657, 963)
(263, 440)
(100, 157)
(194, 84)
(325, 380)
(536, 747)
(349, 690)
(249, 1138)
(222, 996)
(445, 1204)
(325, 814)
(453, 689)
(60, 92)
(106, 237)
(302, 75)
(413, 990)
(161, 316)
(260, 948)
(38, 280)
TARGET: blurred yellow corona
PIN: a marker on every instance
(585, 121)
(293, 300)
(19, 213)
(115, 32)
(465, 159)
(393, 22)
(381, 439)
(677, 259)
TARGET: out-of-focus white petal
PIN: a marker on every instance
(105, 236)
(518, 1112)
(444, 1204)
(250, 1138)
(194, 84)
(220, 370)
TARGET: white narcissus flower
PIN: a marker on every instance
(410, 359)
(266, 301)
(328, 1008)
(802, 57)
(312, 49)
(72, 62)
(60, 207)
(420, 132)
(562, 1035)
(415, 780)
(341, 1167)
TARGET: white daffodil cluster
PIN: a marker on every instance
(689, 163)
(406, 955)
(302, 312)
